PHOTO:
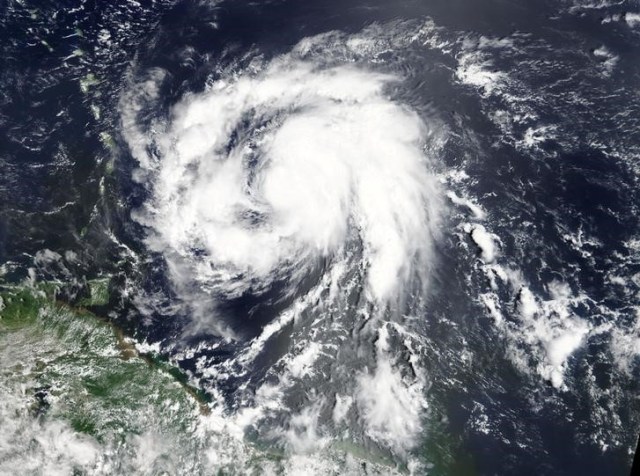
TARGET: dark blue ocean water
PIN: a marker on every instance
(66, 186)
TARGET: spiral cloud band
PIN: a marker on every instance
(265, 176)
(298, 185)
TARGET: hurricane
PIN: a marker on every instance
(302, 186)
(281, 175)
